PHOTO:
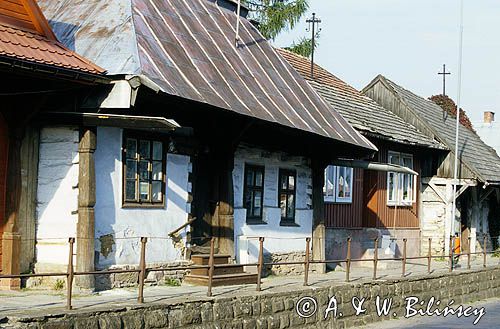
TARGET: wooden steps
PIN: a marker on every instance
(231, 274)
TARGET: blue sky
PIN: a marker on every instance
(408, 42)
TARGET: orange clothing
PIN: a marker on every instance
(456, 245)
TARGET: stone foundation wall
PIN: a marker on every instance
(278, 310)
(284, 258)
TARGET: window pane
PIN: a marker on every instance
(143, 170)
(157, 151)
(391, 186)
(329, 181)
(284, 181)
(348, 183)
(394, 159)
(283, 205)
(144, 190)
(130, 192)
(291, 208)
(258, 178)
(248, 200)
(157, 191)
(131, 148)
(157, 170)
(257, 203)
(291, 182)
(144, 149)
(341, 182)
(249, 181)
(131, 169)
(408, 162)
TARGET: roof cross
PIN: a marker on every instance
(313, 22)
(444, 74)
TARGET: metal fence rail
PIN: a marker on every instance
(143, 270)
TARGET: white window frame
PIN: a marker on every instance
(399, 178)
(332, 174)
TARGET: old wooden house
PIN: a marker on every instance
(38, 75)
(191, 137)
(478, 171)
(365, 204)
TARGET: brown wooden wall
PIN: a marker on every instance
(3, 170)
(348, 214)
(369, 204)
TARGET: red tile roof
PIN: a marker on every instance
(25, 35)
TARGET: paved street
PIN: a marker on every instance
(491, 319)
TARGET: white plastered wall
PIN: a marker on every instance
(120, 228)
(57, 194)
(278, 239)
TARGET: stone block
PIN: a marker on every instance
(110, 321)
(155, 319)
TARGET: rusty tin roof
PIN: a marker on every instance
(188, 49)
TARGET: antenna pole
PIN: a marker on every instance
(237, 38)
(459, 94)
(313, 21)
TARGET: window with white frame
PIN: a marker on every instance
(338, 184)
(400, 187)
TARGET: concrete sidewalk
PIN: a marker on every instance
(38, 303)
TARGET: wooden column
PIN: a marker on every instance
(224, 217)
(86, 203)
(318, 229)
(11, 239)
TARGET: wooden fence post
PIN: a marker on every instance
(306, 262)
(348, 260)
(404, 258)
(260, 266)
(468, 253)
(484, 250)
(375, 258)
(69, 281)
(429, 257)
(142, 273)
(211, 268)
(452, 244)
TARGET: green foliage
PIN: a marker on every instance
(59, 284)
(172, 282)
(304, 46)
(275, 16)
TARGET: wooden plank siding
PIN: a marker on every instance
(348, 214)
(369, 207)
(3, 171)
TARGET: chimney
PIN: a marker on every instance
(489, 117)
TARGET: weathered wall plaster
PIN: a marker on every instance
(278, 239)
(57, 194)
(120, 229)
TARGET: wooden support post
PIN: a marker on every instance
(260, 266)
(69, 281)
(348, 260)
(142, 273)
(404, 258)
(451, 252)
(306, 262)
(468, 253)
(429, 256)
(11, 238)
(375, 257)
(318, 229)
(86, 202)
(211, 264)
(485, 239)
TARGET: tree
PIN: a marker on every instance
(447, 104)
(276, 16)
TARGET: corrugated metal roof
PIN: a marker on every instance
(25, 35)
(187, 48)
(473, 152)
(361, 111)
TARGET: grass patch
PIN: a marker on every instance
(58, 285)
(172, 282)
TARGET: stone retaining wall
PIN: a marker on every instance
(278, 310)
